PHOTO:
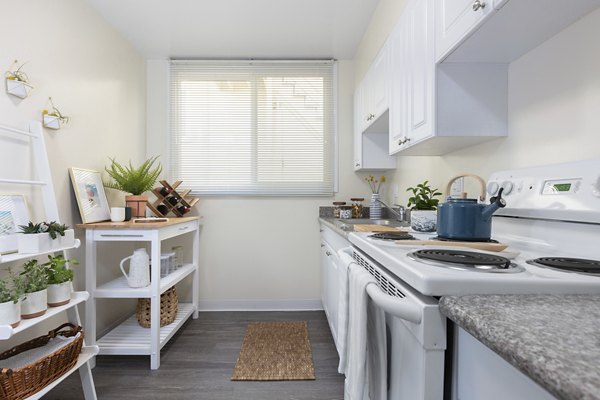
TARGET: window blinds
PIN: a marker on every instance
(253, 127)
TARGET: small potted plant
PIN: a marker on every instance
(423, 206)
(17, 82)
(59, 280)
(136, 181)
(44, 236)
(53, 118)
(35, 287)
(11, 291)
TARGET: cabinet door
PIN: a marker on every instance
(421, 71)
(456, 20)
(358, 127)
(377, 98)
(398, 86)
(324, 278)
(333, 293)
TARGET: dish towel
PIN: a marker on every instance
(342, 331)
(366, 355)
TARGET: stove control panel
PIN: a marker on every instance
(566, 192)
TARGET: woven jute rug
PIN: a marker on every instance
(275, 351)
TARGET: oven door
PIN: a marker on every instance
(416, 333)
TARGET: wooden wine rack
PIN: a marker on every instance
(179, 199)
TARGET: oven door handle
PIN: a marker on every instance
(402, 308)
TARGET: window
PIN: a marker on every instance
(253, 128)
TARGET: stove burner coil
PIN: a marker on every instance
(581, 265)
(392, 236)
(466, 258)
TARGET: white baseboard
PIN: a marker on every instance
(260, 305)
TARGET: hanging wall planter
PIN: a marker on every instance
(17, 82)
(52, 117)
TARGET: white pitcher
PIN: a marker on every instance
(139, 269)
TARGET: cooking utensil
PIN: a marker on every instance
(465, 218)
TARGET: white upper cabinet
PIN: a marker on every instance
(371, 117)
(500, 31)
(456, 20)
(412, 77)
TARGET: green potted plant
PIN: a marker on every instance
(17, 81)
(44, 236)
(52, 117)
(36, 290)
(423, 206)
(59, 280)
(11, 292)
(135, 181)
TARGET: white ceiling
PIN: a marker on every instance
(240, 28)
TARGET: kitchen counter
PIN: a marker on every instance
(555, 340)
(337, 226)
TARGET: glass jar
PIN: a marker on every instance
(346, 212)
(337, 206)
(357, 207)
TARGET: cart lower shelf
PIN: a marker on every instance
(87, 352)
(130, 338)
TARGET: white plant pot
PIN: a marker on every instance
(423, 220)
(10, 313)
(42, 242)
(18, 88)
(35, 304)
(34, 242)
(66, 241)
(59, 294)
(51, 122)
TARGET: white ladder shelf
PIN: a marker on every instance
(44, 180)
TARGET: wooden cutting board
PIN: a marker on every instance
(473, 245)
(375, 228)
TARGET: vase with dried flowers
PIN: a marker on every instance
(375, 185)
(17, 82)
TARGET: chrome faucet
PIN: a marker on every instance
(400, 214)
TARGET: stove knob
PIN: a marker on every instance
(508, 187)
(596, 187)
(492, 188)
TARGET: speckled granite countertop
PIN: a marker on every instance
(555, 340)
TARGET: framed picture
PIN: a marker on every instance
(13, 212)
(89, 191)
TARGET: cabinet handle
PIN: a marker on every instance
(357, 165)
(322, 245)
(478, 4)
(328, 253)
(407, 140)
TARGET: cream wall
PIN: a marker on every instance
(260, 252)
(93, 76)
(554, 93)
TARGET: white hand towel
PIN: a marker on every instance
(358, 369)
(342, 331)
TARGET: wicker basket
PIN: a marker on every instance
(168, 309)
(16, 384)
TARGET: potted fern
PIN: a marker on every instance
(423, 206)
(135, 181)
(11, 291)
(59, 280)
(44, 236)
(36, 290)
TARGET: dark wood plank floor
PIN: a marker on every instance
(197, 364)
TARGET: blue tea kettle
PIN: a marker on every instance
(467, 219)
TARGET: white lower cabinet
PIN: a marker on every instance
(331, 243)
(480, 373)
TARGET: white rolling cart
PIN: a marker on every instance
(35, 139)
(129, 338)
